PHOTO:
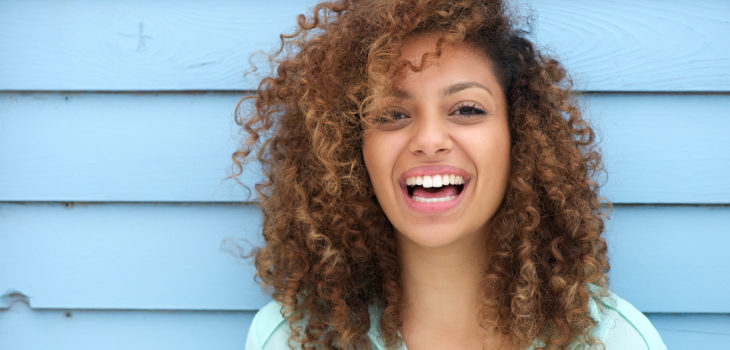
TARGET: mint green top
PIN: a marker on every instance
(619, 326)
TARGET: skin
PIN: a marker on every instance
(452, 113)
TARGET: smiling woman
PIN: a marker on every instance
(429, 186)
(452, 121)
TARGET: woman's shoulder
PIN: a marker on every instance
(269, 329)
(621, 326)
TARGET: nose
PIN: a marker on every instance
(430, 136)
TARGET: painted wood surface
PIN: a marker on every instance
(179, 257)
(137, 272)
(177, 147)
(693, 331)
(664, 148)
(25, 329)
(117, 256)
(620, 45)
(21, 328)
(99, 147)
(668, 259)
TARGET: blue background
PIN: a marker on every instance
(118, 229)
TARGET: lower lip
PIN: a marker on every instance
(432, 208)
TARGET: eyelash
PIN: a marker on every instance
(464, 109)
(391, 117)
(468, 109)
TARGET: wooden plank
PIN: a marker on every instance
(175, 147)
(173, 257)
(137, 45)
(689, 332)
(99, 147)
(621, 45)
(123, 330)
(88, 329)
(671, 259)
(664, 148)
(630, 45)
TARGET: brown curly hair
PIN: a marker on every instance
(330, 252)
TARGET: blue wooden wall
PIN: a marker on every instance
(118, 229)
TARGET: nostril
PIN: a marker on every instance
(430, 138)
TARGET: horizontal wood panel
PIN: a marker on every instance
(177, 147)
(174, 257)
(643, 45)
(84, 329)
(137, 45)
(664, 148)
(671, 259)
(99, 147)
(187, 45)
(690, 332)
(122, 330)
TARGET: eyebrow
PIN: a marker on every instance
(463, 86)
(402, 94)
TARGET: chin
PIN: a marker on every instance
(436, 236)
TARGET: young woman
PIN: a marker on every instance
(429, 186)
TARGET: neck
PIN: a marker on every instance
(441, 285)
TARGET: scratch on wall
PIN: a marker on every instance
(141, 37)
(201, 64)
(12, 297)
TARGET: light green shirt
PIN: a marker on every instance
(619, 326)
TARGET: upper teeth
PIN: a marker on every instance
(435, 180)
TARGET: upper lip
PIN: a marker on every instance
(432, 170)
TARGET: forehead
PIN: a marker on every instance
(415, 46)
(457, 63)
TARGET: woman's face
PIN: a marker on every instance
(439, 159)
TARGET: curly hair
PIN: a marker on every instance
(331, 254)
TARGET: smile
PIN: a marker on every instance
(432, 190)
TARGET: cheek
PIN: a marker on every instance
(381, 154)
(501, 147)
(490, 149)
(374, 156)
(501, 155)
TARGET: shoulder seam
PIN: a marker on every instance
(631, 315)
(267, 320)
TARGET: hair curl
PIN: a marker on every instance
(330, 253)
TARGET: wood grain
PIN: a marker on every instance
(177, 147)
(135, 271)
(101, 147)
(668, 259)
(86, 329)
(638, 45)
(663, 148)
(179, 256)
(137, 45)
(173, 257)
(21, 328)
(691, 331)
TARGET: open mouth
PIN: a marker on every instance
(434, 188)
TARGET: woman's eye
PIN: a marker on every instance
(469, 109)
(391, 117)
(396, 115)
